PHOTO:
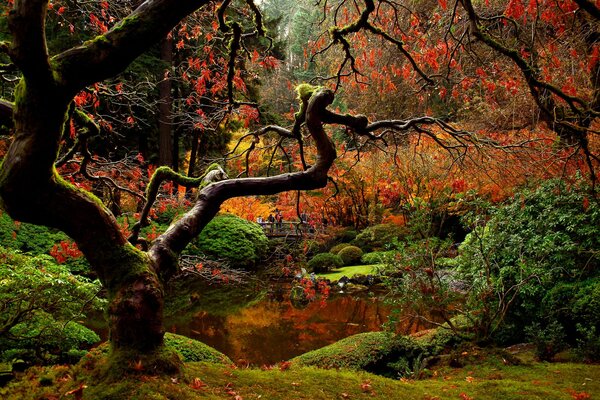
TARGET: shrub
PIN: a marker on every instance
(338, 247)
(39, 328)
(37, 240)
(379, 237)
(548, 340)
(346, 235)
(538, 248)
(377, 257)
(232, 239)
(325, 262)
(350, 255)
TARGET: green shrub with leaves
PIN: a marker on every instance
(540, 248)
(379, 237)
(40, 302)
(378, 257)
(36, 240)
(418, 285)
(324, 262)
(232, 239)
(338, 247)
(351, 255)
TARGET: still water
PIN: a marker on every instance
(264, 327)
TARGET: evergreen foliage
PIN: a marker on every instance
(232, 239)
(379, 237)
(350, 255)
(324, 262)
(42, 302)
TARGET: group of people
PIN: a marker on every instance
(275, 220)
(272, 220)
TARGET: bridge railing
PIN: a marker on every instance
(289, 228)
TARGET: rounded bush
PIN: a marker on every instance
(377, 257)
(338, 247)
(325, 262)
(350, 255)
(232, 239)
(378, 237)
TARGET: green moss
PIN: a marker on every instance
(61, 182)
(193, 350)
(163, 361)
(125, 23)
(357, 352)
(100, 40)
(490, 379)
(350, 271)
(305, 91)
(382, 353)
(129, 264)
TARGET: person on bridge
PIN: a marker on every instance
(279, 219)
(271, 220)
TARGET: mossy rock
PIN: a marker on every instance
(194, 350)
(375, 352)
(190, 350)
(381, 353)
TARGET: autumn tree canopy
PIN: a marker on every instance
(56, 109)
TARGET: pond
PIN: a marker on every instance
(263, 327)
(257, 325)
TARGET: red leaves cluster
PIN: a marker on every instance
(65, 250)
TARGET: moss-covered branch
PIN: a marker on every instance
(172, 242)
(161, 175)
(110, 53)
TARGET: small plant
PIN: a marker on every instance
(325, 262)
(350, 255)
(548, 341)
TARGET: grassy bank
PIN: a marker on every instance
(349, 272)
(484, 375)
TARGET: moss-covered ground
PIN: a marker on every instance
(349, 272)
(483, 375)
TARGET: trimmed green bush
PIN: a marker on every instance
(325, 262)
(350, 255)
(338, 247)
(377, 257)
(232, 239)
(192, 350)
(379, 237)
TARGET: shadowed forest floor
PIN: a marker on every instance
(484, 375)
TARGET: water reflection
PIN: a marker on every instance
(272, 330)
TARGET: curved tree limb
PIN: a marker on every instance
(167, 246)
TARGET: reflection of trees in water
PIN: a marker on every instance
(269, 331)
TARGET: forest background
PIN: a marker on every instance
(472, 102)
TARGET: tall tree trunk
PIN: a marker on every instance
(165, 109)
(31, 190)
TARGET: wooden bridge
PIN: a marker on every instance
(289, 229)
